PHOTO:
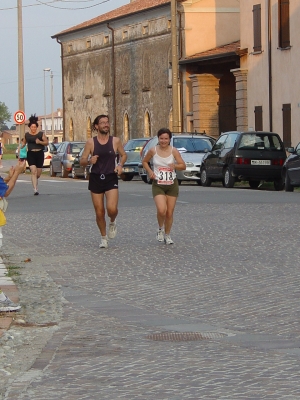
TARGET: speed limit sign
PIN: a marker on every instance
(19, 117)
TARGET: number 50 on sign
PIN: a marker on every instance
(19, 117)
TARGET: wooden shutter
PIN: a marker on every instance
(258, 118)
(286, 124)
(284, 23)
(256, 27)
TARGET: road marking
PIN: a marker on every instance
(183, 202)
(133, 194)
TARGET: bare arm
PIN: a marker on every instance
(122, 154)
(44, 140)
(180, 164)
(145, 163)
(13, 176)
(88, 151)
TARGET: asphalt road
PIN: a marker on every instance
(215, 316)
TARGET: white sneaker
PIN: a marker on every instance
(160, 235)
(104, 243)
(168, 239)
(112, 230)
(8, 305)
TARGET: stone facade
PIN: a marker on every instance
(122, 72)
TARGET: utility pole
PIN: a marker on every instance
(45, 108)
(20, 69)
(52, 106)
(175, 97)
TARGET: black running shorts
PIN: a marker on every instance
(103, 183)
(35, 158)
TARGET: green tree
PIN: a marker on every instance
(5, 115)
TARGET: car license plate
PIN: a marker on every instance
(260, 162)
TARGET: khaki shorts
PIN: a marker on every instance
(167, 190)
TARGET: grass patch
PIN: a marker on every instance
(12, 270)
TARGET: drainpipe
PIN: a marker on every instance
(270, 66)
(113, 78)
(175, 97)
(63, 88)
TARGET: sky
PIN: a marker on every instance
(41, 19)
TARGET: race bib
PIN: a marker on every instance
(165, 176)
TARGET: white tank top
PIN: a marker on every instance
(163, 173)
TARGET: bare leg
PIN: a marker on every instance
(34, 178)
(112, 198)
(0, 160)
(98, 202)
(161, 206)
(171, 202)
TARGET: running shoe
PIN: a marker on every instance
(112, 230)
(8, 305)
(168, 239)
(36, 193)
(160, 235)
(103, 243)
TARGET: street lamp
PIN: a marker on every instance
(45, 70)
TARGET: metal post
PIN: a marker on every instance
(45, 124)
(52, 106)
(20, 68)
(175, 97)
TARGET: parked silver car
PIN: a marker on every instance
(63, 157)
(192, 147)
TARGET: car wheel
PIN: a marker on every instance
(73, 173)
(205, 181)
(126, 178)
(279, 185)
(179, 181)
(51, 172)
(288, 187)
(144, 178)
(198, 181)
(228, 179)
(254, 184)
(86, 174)
(64, 173)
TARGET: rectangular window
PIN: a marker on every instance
(88, 44)
(125, 35)
(106, 39)
(256, 27)
(70, 48)
(286, 124)
(258, 118)
(145, 30)
(284, 23)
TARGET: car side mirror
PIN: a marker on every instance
(290, 150)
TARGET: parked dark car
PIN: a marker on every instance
(78, 170)
(291, 169)
(192, 146)
(62, 159)
(133, 150)
(245, 156)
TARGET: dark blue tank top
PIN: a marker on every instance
(106, 162)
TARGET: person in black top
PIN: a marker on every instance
(36, 142)
(102, 150)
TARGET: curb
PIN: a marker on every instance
(8, 286)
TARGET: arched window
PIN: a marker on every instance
(89, 128)
(71, 131)
(147, 125)
(171, 120)
(126, 128)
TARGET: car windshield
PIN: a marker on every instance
(192, 144)
(135, 145)
(260, 141)
(76, 147)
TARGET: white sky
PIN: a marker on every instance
(40, 22)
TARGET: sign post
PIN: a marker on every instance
(19, 118)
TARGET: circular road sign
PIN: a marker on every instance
(19, 117)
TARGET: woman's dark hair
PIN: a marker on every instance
(164, 130)
(97, 119)
(33, 119)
